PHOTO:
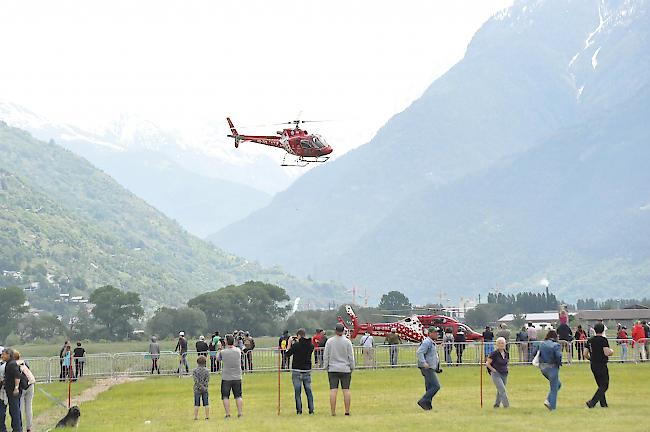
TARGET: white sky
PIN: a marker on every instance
(185, 63)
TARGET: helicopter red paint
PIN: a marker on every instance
(307, 148)
(410, 328)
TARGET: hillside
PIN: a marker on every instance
(529, 75)
(61, 213)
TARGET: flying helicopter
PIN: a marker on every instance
(410, 328)
(307, 148)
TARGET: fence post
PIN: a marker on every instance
(113, 365)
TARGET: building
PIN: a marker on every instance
(626, 317)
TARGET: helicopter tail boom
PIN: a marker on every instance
(233, 132)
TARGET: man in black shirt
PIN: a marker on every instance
(597, 350)
(11, 385)
(301, 349)
(79, 359)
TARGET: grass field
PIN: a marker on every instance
(382, 400)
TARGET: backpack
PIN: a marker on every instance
(26, 377)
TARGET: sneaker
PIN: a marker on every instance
(298, 412)
(227, 416)
(424, 405)
(547, 404)
(311, 412)
(590, 406)
(347, 414)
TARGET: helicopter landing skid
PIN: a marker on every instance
(303, 161)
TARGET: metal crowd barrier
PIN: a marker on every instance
(138, 364)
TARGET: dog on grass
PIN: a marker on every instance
(71, 419)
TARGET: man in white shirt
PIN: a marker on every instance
(338, 361)
(367, 343)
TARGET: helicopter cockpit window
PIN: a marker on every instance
(318, 141)
(305, 144)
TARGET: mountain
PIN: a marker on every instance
(63, 218)
(388, 214)
(203, 192)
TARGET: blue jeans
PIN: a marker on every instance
(552, 374)
(14, 412)
(488, 348)
(201, 397)
(299, 380)
(431, 384)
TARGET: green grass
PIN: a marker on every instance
(383, 400)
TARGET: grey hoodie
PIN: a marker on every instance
(339, 355)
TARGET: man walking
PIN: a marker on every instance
(393, 341)
(181, 349)
(338, 361)
(231, 371)
(597, 350)
(367, 343)
(301, 350)
(429, 365)
(11, 384)
(638, 335)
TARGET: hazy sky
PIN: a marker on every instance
(184, 63)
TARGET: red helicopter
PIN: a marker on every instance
(308, 148)
(410, 328)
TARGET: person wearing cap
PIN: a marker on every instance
(202, 347)
(181, 349)
(283, 343)
(429, 365)
(392, 340)
(154, 353)
(338, 361)
(368, 346)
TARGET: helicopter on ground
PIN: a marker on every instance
(410, 328)
(307, 148)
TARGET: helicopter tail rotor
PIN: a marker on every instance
(233, 132)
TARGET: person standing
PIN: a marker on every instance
(522, 344)
(566, 337)
(532, 341)
(62, 374)
(249, 346)
(202, 347)
(11, 385)
(201, 377)
(638, 342)
(338, 361)
(580, 337)
(67, 363)
(231, 371)
(392, 340)
(301, 350)
(646, 331)
(459, 341)
(550, 360)
(181, 349)
(448, 343)
(623, 341)
(213, 355)
(283, 342)
(321, 345)
(27, 395)
(429, 365)
(368, 346)
(488, 341)
(315, 340)
(154, 354)
(497, 366)
(504, 332)
(597, 350)
(79, 359)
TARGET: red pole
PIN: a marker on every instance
(70, 384)
(279, 366)
(481, 370)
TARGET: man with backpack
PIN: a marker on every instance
(11, 384)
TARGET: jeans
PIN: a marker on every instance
(448, 348)
(201, 397)
(392, 352)
(624, 352)
(488, 348)
(300, 379)
(601, 375)
(500, 382)
(552, 374)
(532, 349)
(431, 384)
(14, 412)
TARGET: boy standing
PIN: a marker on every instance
(201, 381)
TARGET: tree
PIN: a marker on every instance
(46, 327)
(393, 301)
(161, 323)
(114, 308)
(13, 307)
(253, 306)
(167, 322)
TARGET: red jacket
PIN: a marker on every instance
(638, 332)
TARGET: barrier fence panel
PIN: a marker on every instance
(48, 369)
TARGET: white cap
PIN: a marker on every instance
(201, 337)
(181, 333)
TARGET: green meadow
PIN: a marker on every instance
(382, 400)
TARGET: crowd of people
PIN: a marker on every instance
(16, 390)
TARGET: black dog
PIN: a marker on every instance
(71, 418)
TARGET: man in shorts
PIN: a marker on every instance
(338, 361)
(230, 359)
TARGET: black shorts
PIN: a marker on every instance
(339, 377)
(227, 386)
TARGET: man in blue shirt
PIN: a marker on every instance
(429, 365)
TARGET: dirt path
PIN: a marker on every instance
(49, 417)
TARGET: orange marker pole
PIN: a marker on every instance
(481, 369)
